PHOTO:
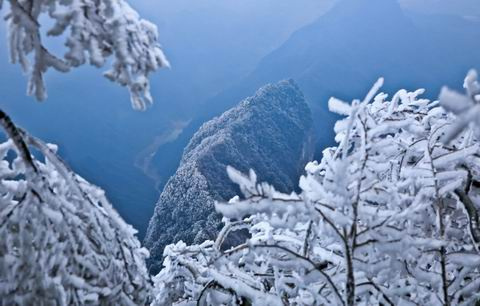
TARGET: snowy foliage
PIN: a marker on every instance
(389, 217)
(62, 242)
(93, 30)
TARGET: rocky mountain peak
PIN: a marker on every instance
(270, 132)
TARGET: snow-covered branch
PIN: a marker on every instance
(94, 31)
(62, 242)
(465, 106)
(390, 216)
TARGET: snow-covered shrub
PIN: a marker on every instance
(389, 216)
(61, 242)
(94, 30)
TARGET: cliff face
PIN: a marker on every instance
(270, 132)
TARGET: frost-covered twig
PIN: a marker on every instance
(384, 211)
(62, 240)
(14, 134)
(465, 106)
(94, 31)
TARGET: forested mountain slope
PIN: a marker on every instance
(271, 132)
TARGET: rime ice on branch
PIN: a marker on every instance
(62, 242)
(465, 106)
(389, 216)
(94, 31)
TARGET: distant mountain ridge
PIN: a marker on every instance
(342, 54)
(270, 132)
